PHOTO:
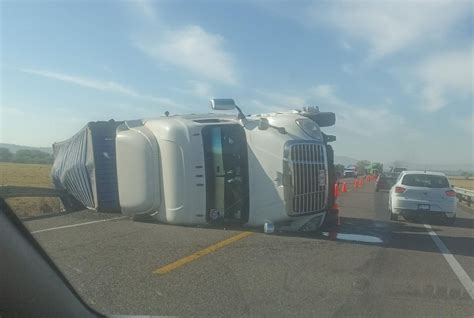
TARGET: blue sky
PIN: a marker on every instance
(398, 75)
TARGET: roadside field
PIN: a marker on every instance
(32, 175)
(462, 182)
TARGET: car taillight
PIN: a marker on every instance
(399, 189)
(451, 193)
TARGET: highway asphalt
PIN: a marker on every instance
(369, 267)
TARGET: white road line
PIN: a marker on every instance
(455, 266)
(74, 225)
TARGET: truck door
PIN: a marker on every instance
(226, 164)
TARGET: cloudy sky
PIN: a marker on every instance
(398, 75)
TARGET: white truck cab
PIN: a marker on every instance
(350, 172)
(199, 169)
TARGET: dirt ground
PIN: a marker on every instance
(17, 174)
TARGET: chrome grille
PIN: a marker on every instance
(305, 177)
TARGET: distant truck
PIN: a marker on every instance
(375, 168)
(350, 172)
(397, 169)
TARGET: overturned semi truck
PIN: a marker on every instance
(215, 168)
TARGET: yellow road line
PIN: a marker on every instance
(188, 259)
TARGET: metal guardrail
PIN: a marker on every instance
(68, 201)
(464, 195)
(15, 192)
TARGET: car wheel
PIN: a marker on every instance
(393, 217)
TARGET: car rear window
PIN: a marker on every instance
(425, 180)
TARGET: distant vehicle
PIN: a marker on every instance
(398, 170)
(375, 168)
(417, 194)
(385, 181)
(350, 172)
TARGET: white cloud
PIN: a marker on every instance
(467, 124)
(105, 86)
(279, 101)
(84, 81)
(355, 118)
(201, 89)
(11, 111)
(324, 91)
(388, 27)
(257, 104)
(347, 68)
(444, 75)
(192, 49)
(346, 46)
(351, 118)
(145, 7)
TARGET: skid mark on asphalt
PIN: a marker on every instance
(75, 225)
(455, 266)
(188, 259)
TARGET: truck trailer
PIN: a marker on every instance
(85, 166)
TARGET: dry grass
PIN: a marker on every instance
(31, 175)
(462, 182)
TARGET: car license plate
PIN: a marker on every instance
(424, 207)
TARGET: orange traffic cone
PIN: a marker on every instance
(356, 183)
(336, 190)
(344, 187)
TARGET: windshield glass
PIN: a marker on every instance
(239, 158)
(425, 180)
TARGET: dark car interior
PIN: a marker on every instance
(31, 285)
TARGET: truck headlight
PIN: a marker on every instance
(309, 127)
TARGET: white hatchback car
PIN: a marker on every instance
(421, 193)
